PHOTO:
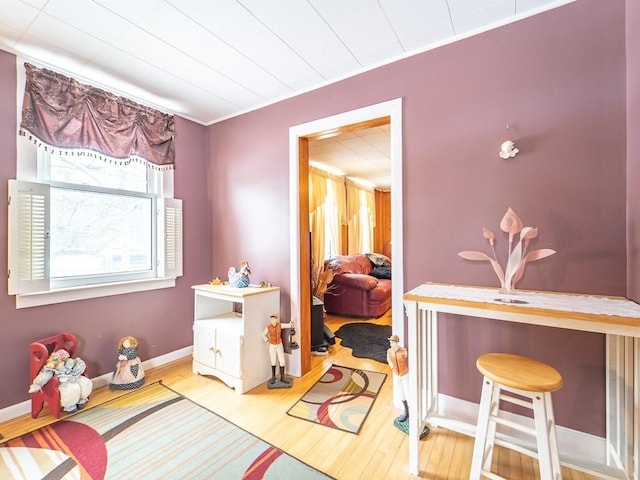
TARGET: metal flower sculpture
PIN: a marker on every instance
(518, 255)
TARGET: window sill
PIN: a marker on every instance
(91, 291)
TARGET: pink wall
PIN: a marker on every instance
(633, 148)
(161, 320)
(559, 80)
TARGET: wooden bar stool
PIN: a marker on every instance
(525, 382)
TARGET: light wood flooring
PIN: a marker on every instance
(379, 451)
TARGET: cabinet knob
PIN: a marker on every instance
(215, 351)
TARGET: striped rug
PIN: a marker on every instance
(341, 399)
(149, 433)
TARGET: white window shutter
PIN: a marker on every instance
(171, 224)
(28, 237)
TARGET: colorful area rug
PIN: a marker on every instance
(341, 399)
(366, 340)
(151, 433)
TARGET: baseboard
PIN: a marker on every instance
(572, 443)
(23, 408)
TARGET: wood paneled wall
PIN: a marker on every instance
(382, 230)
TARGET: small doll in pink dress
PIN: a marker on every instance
(129, 374)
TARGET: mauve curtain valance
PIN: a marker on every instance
(62, 112)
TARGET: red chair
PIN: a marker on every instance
(38, 354)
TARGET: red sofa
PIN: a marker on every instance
(353, 291)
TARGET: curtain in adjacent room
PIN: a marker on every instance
(317, 198)
(61, 112)
(361, 214)
(327, 212)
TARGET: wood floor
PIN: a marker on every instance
(379, 451)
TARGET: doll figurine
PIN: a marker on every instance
(272, 335)
(129, 374)
(74, 387)
(397, 359)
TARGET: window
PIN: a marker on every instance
(91, 222)
(84, 224)
(102, 222)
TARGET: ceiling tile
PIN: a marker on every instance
(150, 49)
(353, 142)
(89, 17)
(377, 54)
(198, 75)
(429, 38)
(139, 81)
(460, 8)
(470, 15)
(39, 4)
(40, 51)
(217, 16)
(161, 89)
(131, 11)
(374, 34)
(265, 49)
(413, 16)
(307, 33)
(185, 39)
(418, 23)
(237, 54)
(528, 6)
(17, 15)
(242, 33)
(65, 37)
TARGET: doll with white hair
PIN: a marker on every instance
(74, 387)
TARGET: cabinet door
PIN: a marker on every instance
(204, 345)
(229, 359)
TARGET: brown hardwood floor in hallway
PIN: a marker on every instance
(379, 451)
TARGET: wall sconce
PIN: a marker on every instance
(508, 148)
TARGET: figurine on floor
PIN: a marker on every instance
(74, 387)
(397, 359)
(272, 335)
(129, 374)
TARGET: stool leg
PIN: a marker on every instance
(491, 432)
(486, 429)
(545, 430)
(553, 439)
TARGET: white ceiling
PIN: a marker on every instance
(207, 60)
(363, 155)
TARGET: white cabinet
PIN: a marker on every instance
(227, 333)
(217, 346)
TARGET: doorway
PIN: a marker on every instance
(300, 291)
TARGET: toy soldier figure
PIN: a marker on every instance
(398, 361)
(272, 335)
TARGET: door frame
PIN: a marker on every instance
(299, 360)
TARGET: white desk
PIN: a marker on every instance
(617, 317)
